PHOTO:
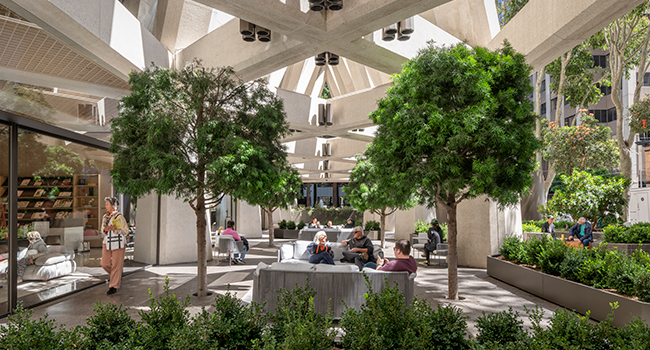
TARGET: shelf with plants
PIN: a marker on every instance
(86, 199)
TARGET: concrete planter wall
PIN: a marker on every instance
(372, 234)
(568, 294)
(284, 233)
(628, 248)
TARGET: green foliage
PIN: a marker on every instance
(333, 213)
(282, 224)
(384, 322)
(597, 267)
(500, 328)
(636, 233)
(372, 225)
(297, 325)
(165, 316)
(640, 116)
(301, 225)
(291, 225)
(530, 228)
(421, 226)
(21, 332)
(508, 9)
(60, 162)
(110, 325)
(232, 325)
(586, 146)
(591, 196)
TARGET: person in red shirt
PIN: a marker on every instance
(319, 251)
(230, 230)
(403, 261)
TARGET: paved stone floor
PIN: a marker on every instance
(480, 292)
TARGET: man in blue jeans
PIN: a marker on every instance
(582, 231)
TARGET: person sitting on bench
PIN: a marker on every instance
(319, 251)
(403, 261)
(581, 231)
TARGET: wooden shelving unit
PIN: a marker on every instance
(42, 198)
(86, 200)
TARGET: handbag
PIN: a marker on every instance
(114, 241)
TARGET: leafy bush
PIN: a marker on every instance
(21, 332)
(282, 225)
(109, 326)
(637, 233)
(570, 267)
(500, 328)
(301, 225)
(296, 325)
(530, 228)
(537, 223)
(384, 322)
(372, 225)
(512, 249)
(291, 225)
(166, 315)
(421, 226)
(233, 325)
(551, 256)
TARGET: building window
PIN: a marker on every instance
(543, 109)
(600, 61)
(604, 115)
(543, 87)
(611, 114)
(607, 90)
(568, 121)
(646, 79)
(566, 101)
(554, 104)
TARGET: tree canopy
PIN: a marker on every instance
(380, 191)
(456, 124)
(198, 133)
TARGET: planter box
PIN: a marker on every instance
(628, 248)
(568, 294)
(283, 233)
(372, 234)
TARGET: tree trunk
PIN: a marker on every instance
(537, 196)
(202, 267)
(548, 182)
(452, 258)
(564, 61)
(382, 227)
(269, 214)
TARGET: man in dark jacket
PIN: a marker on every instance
(582, 231)
(549, 226)
(360, 249)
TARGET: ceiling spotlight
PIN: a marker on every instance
(246, 28)
(406, 26)
(321, 59)
(391, 29)
(334, 5)
(248, 31)
(385, 36)
(332, 59)
(403, 37)
(263, 35)
(401, 30)
(327, 57)
(262, 31)
(316, 5)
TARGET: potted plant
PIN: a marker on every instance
(279, 232)
(371, 229)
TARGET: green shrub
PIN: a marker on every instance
(166, 316)
(301, 225)
(512, 249)
(573, 260)
(563, 225)
(551, 256)
(620, 272)
(291, 225)
(533, 249)
(500, 328)
(109, 326)
(296, 325)
(592, 273)
(232, 325)
(445, 326)
(637, 233)
(530, 228)
(21, 332)
(537, 223)
(282, 225)
(421, 227)
(372, 225)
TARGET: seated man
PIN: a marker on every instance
(582, 231)
(403, 261)
(549, 226)
(360, 249)
(350, 224)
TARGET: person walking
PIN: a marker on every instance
(113, 259)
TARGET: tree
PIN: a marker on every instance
(583, 147)
(456, 124)
(280, 192)
(198, 133)
(627, 40)
(590, 196)
(507, 9)
(372, 188)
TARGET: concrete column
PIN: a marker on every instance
(249, 220)
(177, 231)
(482, 227)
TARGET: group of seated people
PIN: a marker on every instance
(581, 230)
(361, 253)
(316, 224)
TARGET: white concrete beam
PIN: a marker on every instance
(545, 29)
(103, 31)
(167, 22)
(473, 21)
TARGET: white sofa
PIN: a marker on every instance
(296, 252)
(58, 262)
(337, 284)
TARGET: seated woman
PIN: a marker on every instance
(329, 224)
(319, 251)
(314, 223)
(36, 249)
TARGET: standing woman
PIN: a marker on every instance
(113, 260)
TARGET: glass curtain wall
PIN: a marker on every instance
(5, 261)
